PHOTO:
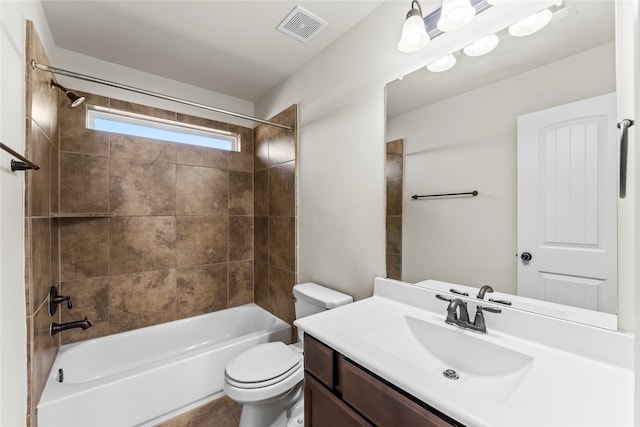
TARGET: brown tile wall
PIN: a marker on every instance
(275, 215)
(393, 167)
(41, 228)
(151, 231)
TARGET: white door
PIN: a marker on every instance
(567, 170)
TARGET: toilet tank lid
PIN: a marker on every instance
(321, 296)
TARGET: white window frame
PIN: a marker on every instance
(169, 130)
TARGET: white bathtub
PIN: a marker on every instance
(148, 375)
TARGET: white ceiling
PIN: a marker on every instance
(230, 47)
(583, 25)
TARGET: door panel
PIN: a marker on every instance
(567, 204)
(570, 290)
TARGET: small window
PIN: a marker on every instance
(124, 122)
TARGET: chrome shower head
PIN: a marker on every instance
(75, 99)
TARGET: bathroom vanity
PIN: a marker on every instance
(391, 360)
(339, 392)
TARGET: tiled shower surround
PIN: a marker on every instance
(394, 168)
(140, 232)
(41, 228)
(155, 231)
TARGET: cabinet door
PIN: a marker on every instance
(381, 404)
(323, 409)
(319, 360)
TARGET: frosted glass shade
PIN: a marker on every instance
(531, 24)
(455, 14)
(414, 34)
(443, 64)
(482, 46)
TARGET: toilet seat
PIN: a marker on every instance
(262, 366)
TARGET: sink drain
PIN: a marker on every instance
(451, 374)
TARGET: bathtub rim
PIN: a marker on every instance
(55, 391)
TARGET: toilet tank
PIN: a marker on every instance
(311, 298)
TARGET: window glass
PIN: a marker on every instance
(123, 122)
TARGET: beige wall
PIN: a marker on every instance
(340, 93)
(466, 143)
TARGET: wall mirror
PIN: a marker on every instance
(464, 130)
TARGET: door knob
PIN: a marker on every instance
(526, 256)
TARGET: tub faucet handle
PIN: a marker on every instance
(55, 299)
(68, 299)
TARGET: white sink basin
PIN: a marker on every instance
(484, 368)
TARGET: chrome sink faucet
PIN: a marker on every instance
(462, 320)
(452, 312)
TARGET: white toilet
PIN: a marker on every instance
(267, 379)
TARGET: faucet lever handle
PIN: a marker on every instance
(443, 298)
(69, 305)
(480, 309)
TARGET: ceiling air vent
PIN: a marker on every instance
(301, 24)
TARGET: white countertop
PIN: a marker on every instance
(559, 388)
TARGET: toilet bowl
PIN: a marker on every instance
(268, 378)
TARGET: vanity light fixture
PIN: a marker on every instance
(455, 14)
(482, 46)
(443, 64)
(531, 24)
(414, 32)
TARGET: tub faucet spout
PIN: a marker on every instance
(59, 327)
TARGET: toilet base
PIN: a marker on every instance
(273, 412)
(296, 414)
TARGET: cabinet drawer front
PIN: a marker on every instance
(380, 403)
(319, 360)
(323, 409)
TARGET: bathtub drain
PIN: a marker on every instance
(60, 376)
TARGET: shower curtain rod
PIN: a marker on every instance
(84, 77)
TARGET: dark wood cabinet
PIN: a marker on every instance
(324, 409)
(340, 393)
